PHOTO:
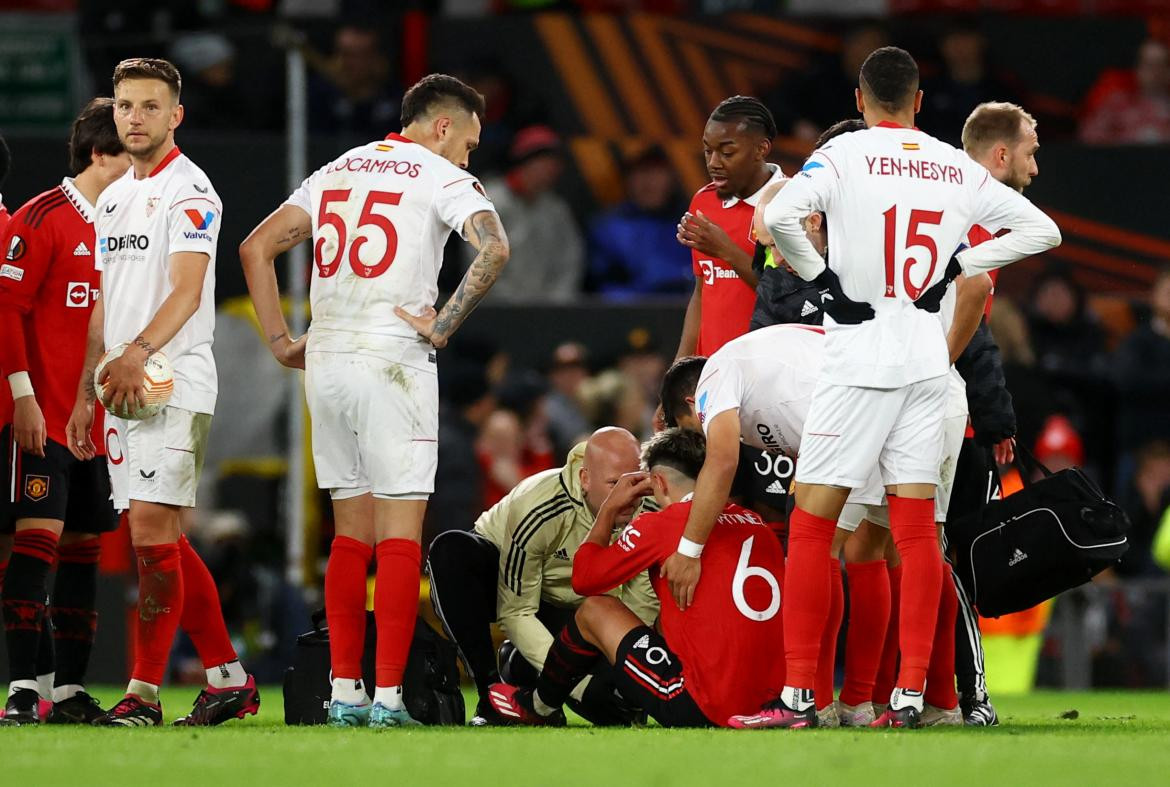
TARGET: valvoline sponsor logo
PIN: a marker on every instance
(201, 222)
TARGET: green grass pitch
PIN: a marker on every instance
(1116, 738)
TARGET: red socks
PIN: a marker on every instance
(887, 673)
(202, 617)
(869, 618)
(940, 676)
(916, 536)
(160, 605)
(827, 660)
(395, 607)
(345, 604)
(807, 597)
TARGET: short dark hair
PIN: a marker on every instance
(93, 131)
(992, 122)
(678, 383)
(437, 89)
(747, 110)
(837, 129)
(149, 68)
(890, 76)
(678, 449)
(5, 160)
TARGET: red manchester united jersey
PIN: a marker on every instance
(727, 301)
(975, 236)
(48, 279)
(730, 640)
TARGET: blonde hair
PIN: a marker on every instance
(992, 122)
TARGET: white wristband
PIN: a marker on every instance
(689, 548)
(20, 384)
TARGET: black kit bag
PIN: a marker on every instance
(430, 686)
(1053, 535)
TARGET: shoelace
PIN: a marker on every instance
(125, 706)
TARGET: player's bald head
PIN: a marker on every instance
(610, 453)
(889, 77)
(610, 446)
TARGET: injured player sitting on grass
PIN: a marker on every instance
(689, 671)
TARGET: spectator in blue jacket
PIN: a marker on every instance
(632, 247)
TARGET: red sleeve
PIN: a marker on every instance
(598, 569)
(13, 355)
(26, 260)
(28, 253)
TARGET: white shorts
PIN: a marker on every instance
(375, 421)
(851, 430)
(158, 460)
(954, 428)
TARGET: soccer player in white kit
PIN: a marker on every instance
(156, 229)
(898, 202)
(379, 217)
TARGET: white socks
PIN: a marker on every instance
(349, 691)
(15, 685)
(904, 698)
(147, 692)
(227, 676)
(62, 693)
(45, 685)
(540, 707)
(797, 699)
(389, 697)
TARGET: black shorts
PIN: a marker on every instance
(762, 482)
(650, 676)
(56, 486)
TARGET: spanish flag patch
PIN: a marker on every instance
(382, 147)
(910, 146)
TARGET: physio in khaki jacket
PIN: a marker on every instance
(516, 566)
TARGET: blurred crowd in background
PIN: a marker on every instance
(1090, 389)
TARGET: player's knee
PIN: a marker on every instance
(69, 538)
(445, 551)
(868, 543)
(593, 610)
(153, 525)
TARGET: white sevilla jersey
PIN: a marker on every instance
(381, 215)
(898, 203)
(768, 375)
(140, 223)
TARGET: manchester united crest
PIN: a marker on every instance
(36, 487)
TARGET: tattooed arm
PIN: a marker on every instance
(486, 234)
(284, 228)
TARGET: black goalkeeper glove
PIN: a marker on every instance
(931, 300)
(837, 304)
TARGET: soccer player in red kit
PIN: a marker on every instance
(717, 228)
(55, 503)
(698, 668)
